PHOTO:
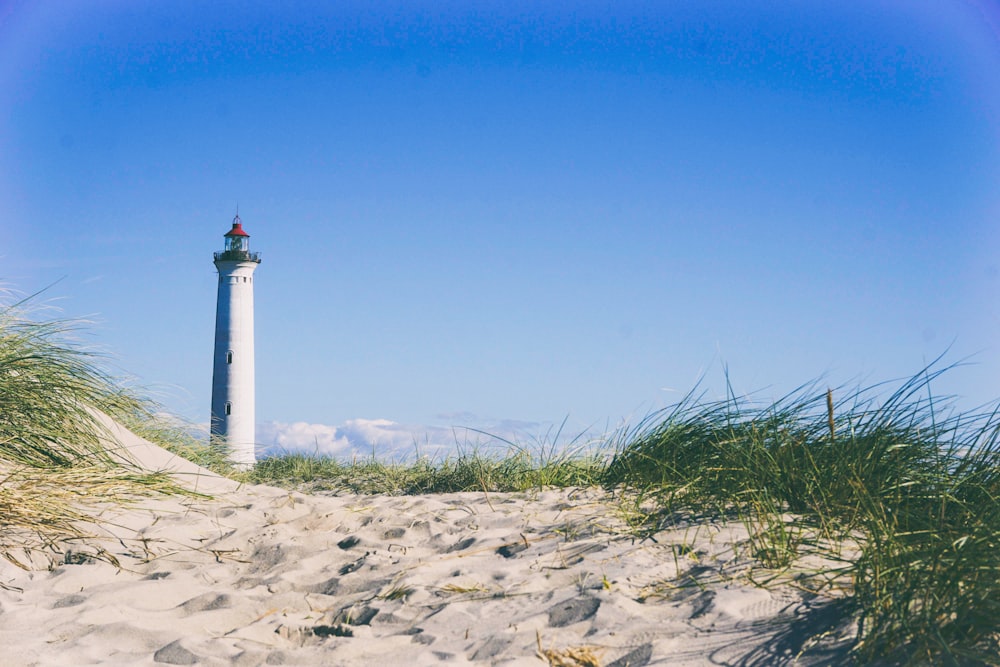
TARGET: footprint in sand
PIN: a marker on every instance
(573, 611)
(349, 542)
(206, 602)
(175, 654)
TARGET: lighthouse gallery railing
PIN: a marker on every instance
(237, 256)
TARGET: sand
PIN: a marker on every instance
(261, 576)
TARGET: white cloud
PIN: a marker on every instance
(319, 439)
(389, 440)
(385, 439)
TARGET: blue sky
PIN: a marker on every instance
(501, 215)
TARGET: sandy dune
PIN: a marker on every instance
(261, 576)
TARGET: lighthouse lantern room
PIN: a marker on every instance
(233, 410)
(237, 244)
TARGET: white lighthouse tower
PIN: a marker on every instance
(233, 418)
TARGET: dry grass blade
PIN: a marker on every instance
(43, 510)
(458, 589)
(573, 656)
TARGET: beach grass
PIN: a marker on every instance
(53, 456)
(505, 466)
(520, 469)
(915, 486)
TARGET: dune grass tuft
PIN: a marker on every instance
(47, 389)
(519, 470)
(53, 459)
(915, 486)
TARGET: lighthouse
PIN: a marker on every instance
(233, 418)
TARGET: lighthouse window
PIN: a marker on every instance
(229, 357)
(229, 408)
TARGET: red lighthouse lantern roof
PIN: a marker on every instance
(237, 229)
